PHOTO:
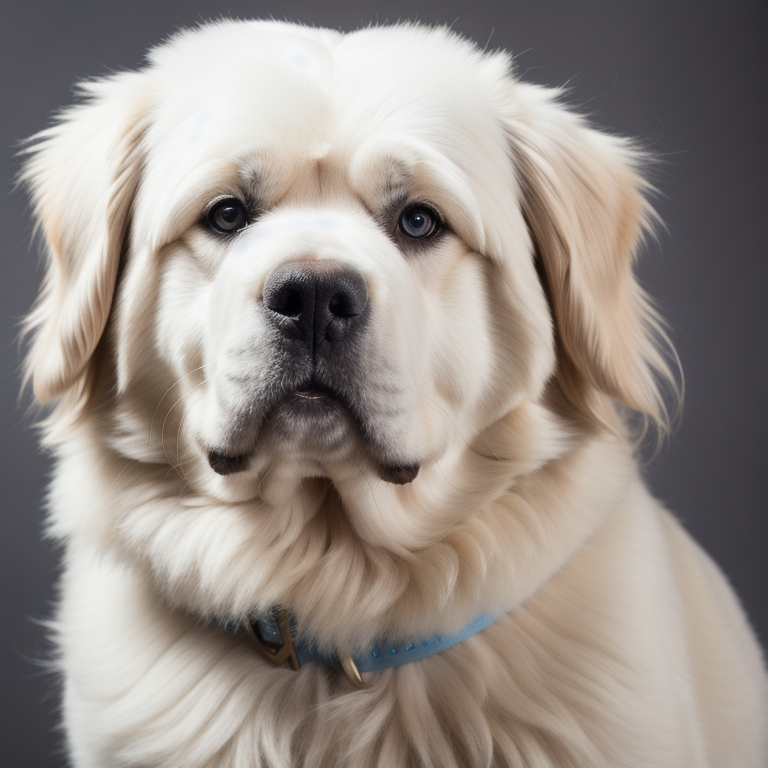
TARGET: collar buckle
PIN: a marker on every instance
(271, 636)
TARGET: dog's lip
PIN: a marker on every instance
(223, 464)
(227, 462)
(315, 390)
(311, 394)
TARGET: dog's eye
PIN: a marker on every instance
(418, 222)
(228, 215)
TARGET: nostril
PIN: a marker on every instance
(286, 301)
(341, 305)
(347, 292)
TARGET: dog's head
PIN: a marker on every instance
(278, 253)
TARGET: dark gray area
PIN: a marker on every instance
(688, 78)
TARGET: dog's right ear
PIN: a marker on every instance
(82, 174)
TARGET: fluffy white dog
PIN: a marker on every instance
(342, 340)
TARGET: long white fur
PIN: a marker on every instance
(619, 644)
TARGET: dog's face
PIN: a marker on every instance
(280, 254)
(322, 284)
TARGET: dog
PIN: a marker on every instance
(346, 370)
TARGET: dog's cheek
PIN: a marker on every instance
(413, 358)
(158, 331)
(182, 308)
(461, 350)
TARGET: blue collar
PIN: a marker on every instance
(273, 637)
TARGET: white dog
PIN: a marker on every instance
(339, 331)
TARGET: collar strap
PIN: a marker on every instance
(273, 635)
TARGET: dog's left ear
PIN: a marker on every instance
(82, 174)
(584, 203)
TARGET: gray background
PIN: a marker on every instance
(688, 78)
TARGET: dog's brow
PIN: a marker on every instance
(251, 172)
(254, 175)
(397, 185)
(394, 193)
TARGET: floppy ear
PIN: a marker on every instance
(584, 204)
(82, 175)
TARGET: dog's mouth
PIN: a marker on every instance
(309, 413)
(299, 403)
(314, 393)
(310, 394)
(313, 397)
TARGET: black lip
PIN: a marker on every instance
(399, 474)
(222, 464)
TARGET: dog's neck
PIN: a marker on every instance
(274, 638)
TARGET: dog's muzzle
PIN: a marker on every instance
(319, 311)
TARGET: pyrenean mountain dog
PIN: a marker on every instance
(342, 342)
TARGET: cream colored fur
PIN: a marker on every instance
(497, 357)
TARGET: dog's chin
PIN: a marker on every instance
(316, 428)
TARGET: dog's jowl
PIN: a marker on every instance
(340, 335)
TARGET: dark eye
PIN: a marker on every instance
(228, 215)
(418, 222)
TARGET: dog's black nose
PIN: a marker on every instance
(316, 301)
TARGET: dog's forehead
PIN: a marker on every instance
(230, 89)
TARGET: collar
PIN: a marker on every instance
(274, 637)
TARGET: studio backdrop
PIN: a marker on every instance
(688, 79)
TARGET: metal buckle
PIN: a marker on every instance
(277, 653)
(352, 672)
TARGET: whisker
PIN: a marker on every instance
(175, 383)
(263, 478)
(445, 477)
(178, 437)
(165, 420)
(179, 462)
(117, 476)
(182, 490)
(175, 468)
(368, 482)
